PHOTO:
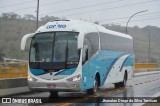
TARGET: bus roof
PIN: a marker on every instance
(77, 26)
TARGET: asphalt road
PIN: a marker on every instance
(140, 86)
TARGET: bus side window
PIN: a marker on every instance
(86, 57)
(85, 53)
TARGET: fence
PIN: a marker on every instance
(19, 70)
(13, 70)
(146, 66)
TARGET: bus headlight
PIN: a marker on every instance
(75, 78)
(31, 78)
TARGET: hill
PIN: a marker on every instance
(12, 30)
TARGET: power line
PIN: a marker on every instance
(74, 8)
(86, 6)
(127, 17)
(145, 19)
(18, 4)
(41, 5)
(25, 8)
(112, 8)
(55, 2)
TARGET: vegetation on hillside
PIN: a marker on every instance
(13, 27)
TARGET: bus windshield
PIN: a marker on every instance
(54, 47)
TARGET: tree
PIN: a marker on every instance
(10, 15)
(48, 18)
(13, 15)
(29, 17)
(5, 15)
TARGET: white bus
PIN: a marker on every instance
(74, 55)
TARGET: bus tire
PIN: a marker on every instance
(123, 83)
(117, 85)
(93, 90)
(53, 94)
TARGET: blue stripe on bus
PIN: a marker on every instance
(110, 67)
(66, 71)
(99, 63)
(37, 72)
(124, 63)
(129, 61)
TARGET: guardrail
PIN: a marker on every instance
(13, 77)
(13, 70)
(19, 70)
(145, 66)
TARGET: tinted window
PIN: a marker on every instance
(91, 42)
(116, 43)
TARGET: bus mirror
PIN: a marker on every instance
(80, 40)
(24, 40)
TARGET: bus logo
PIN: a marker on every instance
(6, 100)
(56, 26)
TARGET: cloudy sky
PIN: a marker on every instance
(103, 11)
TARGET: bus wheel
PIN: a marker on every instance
(93, 90)
(53, 94)
(117, 85)
(123, 83)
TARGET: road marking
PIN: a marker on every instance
(149, 80)
(94, 96)
(105, 92)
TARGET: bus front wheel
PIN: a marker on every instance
(93, 90)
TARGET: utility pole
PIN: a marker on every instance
(37, 13)
(149, 47)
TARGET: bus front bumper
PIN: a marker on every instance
(55, 86)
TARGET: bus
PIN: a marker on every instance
(75, 55)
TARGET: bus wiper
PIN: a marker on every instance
(66, 55)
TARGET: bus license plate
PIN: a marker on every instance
(51, 86)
